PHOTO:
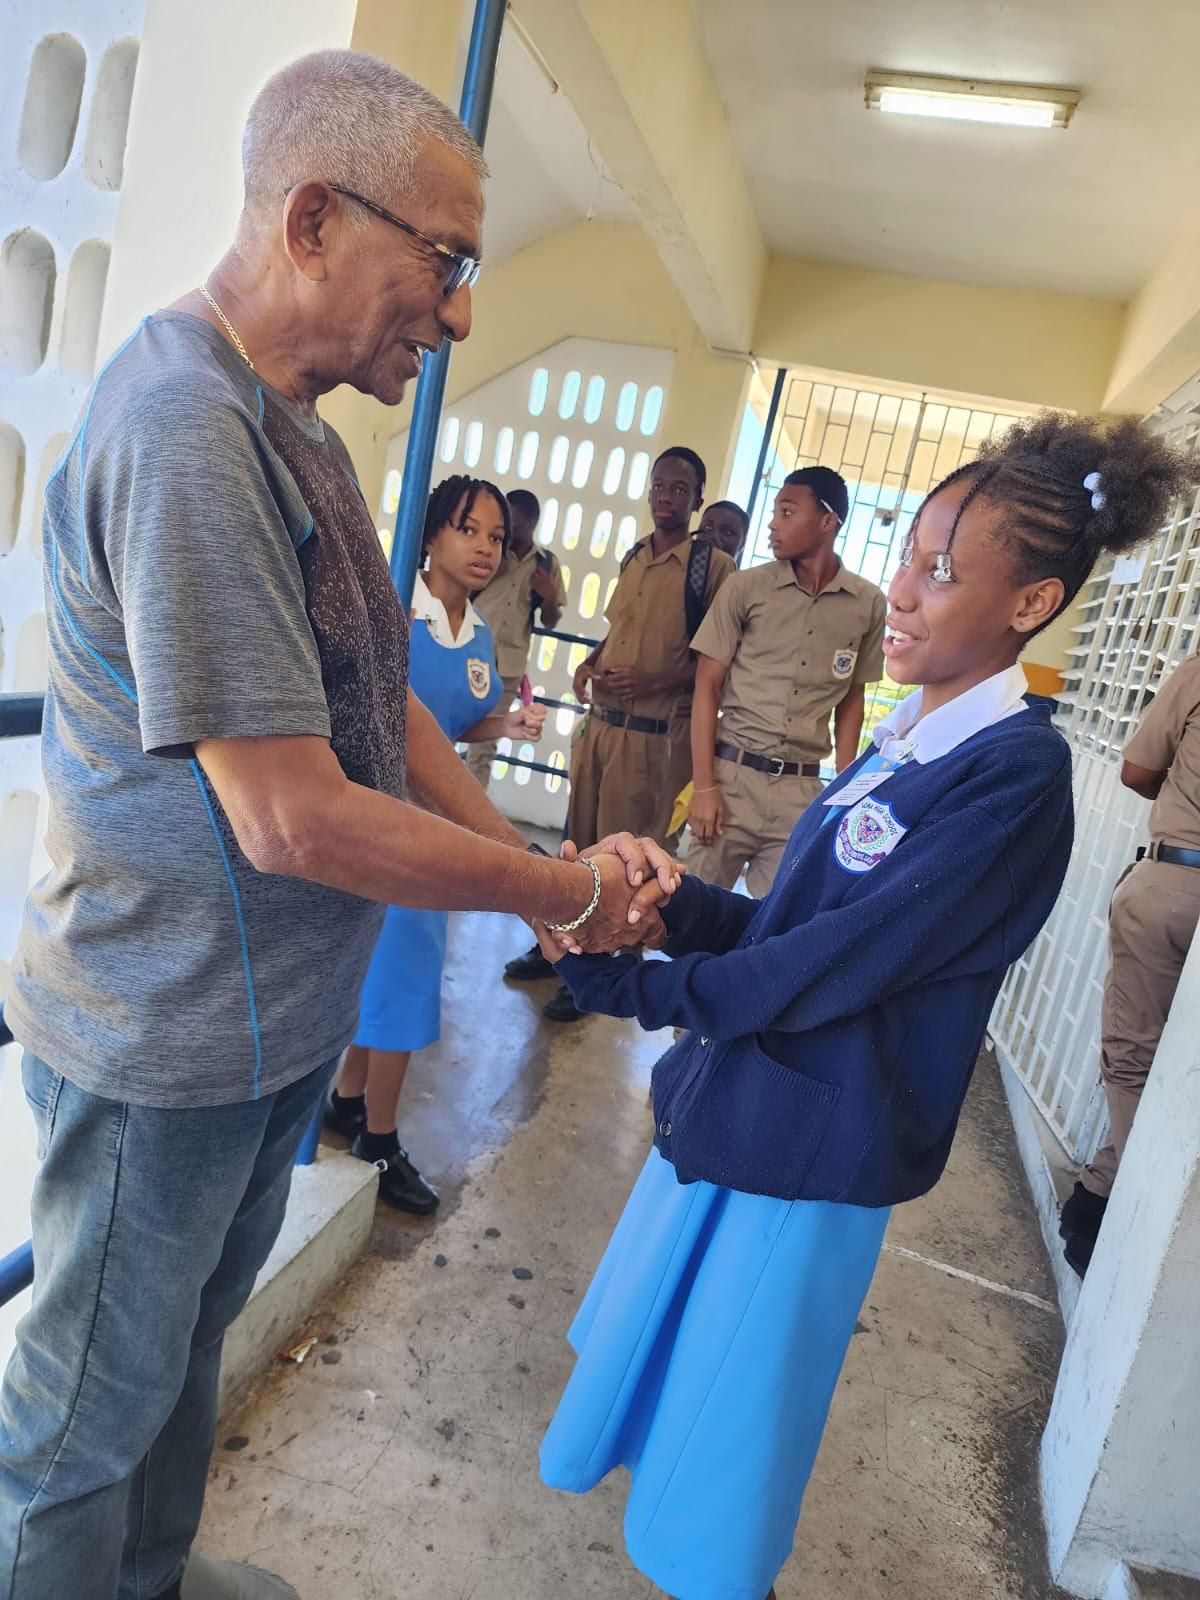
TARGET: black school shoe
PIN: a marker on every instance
(400, 1184)
(526, 968)
(1082, 1214)
(561, 1007)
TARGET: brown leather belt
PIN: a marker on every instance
(625, 719)
(772, 764)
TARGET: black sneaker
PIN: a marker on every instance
(531, 965)
(1078, 1251)
(561, 1007)
(400, 1184)
(1082, 1213)
(348, 1123)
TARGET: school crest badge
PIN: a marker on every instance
(843, 662)
(479, 676)
(868, 832)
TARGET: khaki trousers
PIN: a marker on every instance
(619, 782)
(1151, 921)
(481, 756)
(760, 813)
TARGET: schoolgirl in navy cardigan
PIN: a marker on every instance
(832, 1027)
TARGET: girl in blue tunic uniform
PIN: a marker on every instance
(452, 668)
(834, 1025)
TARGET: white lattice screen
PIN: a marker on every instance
(578, 425)
(1140, 618)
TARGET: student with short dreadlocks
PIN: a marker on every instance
(833, 1026)
(452, 668)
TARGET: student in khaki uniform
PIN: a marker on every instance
(1151, 921)
(528, 580)
(785, 644)
(724, 525)
(626, 768)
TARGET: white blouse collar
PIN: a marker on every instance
(904, 732)
(432, 612)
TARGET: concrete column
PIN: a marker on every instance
(704, 407)
(1121, 1451)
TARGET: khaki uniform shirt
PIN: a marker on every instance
(791, 656)
(647, 620)
(507, 603)
(1168, 740)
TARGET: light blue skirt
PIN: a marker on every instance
(401, 1005)
(709, 1346)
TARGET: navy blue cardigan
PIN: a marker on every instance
(834, 1025)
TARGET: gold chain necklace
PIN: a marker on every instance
(228, 326)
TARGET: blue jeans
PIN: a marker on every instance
(149, 1228)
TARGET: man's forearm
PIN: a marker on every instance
(439, 781)
(551, 614)
(295, 813)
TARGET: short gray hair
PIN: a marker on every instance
(339, 116)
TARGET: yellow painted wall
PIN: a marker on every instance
(596, 280)
(1040, 349)
(1160, 335)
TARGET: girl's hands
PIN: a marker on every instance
(524, 724)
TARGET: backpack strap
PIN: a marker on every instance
(695, 584)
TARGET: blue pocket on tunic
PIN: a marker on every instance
(753, 1124)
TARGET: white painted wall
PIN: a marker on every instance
(66, 72)
(201, 67)
(1121, 1451)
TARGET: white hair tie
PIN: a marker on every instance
(1092, 484)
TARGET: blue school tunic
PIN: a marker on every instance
(458, 683)
(711, 1339)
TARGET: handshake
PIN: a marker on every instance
(637, 877)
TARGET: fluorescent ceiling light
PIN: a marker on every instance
(1013, 105)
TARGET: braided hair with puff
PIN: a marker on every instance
(1071, 489)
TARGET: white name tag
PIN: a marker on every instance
(857, 788)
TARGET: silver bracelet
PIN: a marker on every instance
(569, 927)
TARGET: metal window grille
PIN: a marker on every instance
(891, 445)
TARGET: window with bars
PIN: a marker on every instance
(890, 445)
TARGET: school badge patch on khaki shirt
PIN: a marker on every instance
(843, 662)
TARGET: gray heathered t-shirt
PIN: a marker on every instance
(212, 571)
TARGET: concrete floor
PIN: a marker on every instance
(401, 1458)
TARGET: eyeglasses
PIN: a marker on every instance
(462, 270)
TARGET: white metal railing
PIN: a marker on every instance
(1140, 617)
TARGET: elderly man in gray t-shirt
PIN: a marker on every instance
(238, 780)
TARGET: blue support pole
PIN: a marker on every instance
(475, 105)
(16, 1272)
(768, 429)
(307, 1152)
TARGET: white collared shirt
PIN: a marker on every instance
(904, 734)
(432, 612)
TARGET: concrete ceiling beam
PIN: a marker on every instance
(641, 82)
